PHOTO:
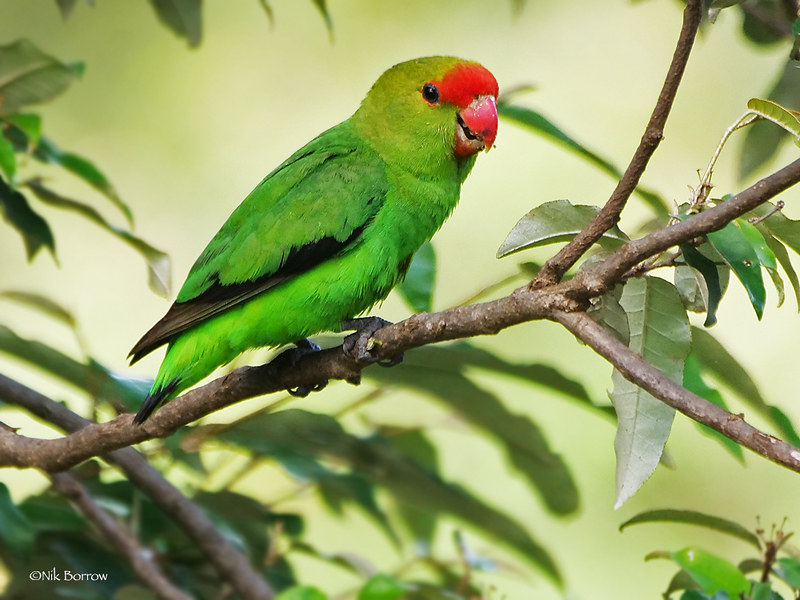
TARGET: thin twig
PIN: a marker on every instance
(608, 216)
(121, 538)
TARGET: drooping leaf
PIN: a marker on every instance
(184, 17)
(524, 442)
(417, 287)
(553, 222)
(765, 255)
(66, 6)
(29, 125)
(736, 250)
(543, 126)
(16, 211)
(693, 381)
(16, 531)
(158, 264)
(770, 110)
(29, 76)
(715, 359)
(712, 573)
(782, 255)
(92, 377)
(659, 332)
(269, 12)
(691, 517)
(300, 433)
(43, 304)
(81, 167)
(708, 270)
(322, 7)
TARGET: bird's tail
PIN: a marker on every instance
(155, 398)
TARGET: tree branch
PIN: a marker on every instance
(638, 371)
(231, 564)
(121, 538)
(608, 216)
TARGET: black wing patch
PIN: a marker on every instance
(219, 297)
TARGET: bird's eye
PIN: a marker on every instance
(430, 93)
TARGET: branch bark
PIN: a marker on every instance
(121, 538)
(608, 216)
(231, 564)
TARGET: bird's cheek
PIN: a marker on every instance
(476, 126)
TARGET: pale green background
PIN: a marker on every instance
(185, 134)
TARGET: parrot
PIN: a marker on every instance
(328, 234)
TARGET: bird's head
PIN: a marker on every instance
(431, 111)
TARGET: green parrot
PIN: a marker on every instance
(332, 230)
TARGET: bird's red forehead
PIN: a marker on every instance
(464, 82)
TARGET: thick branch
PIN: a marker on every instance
(638, 371)
(121, 538)
(231, 564)
(608, 216)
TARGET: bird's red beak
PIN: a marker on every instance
(477, 126)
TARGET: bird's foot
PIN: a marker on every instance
(291, 356)
(359, 344)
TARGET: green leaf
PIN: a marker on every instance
(782, 254)
(16, 531)
(158, 264)
(29, 76)
(716, 359)
(303, 592)
(762, 139)
(322, 7)
(92, 377)
(659, 332)
(553, 222)
(43, 304)
(764, 253)
(184, 17)
(34, 230)
(541, 125)
(691, 517)
(710, 274)
(66, 6)
(738, 253)
(693, 381)
(8, 162)
(303, 434)
(712, 573)
(29, 124)
(382, 587)
(788, 569)
(786, 118)
(47, 152)
(762, 591)
(417, 287)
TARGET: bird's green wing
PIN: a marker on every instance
(312, 207)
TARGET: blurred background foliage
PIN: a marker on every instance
(480, 468)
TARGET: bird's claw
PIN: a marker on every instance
(358, 345)
(291, 357)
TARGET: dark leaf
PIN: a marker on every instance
(693, 381)
(417, 287)
(659, 333)
(46, 151)
(184, 17)
(296, 432)
(29, 125)
(32, 227)
(540, 124)
(715, 359)
(708, 270)
(29, 76)
(93, 378)
(66, 6)
(8, 162)
(782, 255)
(738, 252)
(158, 265)
(553, 222)
(690, 517)
(16, 531)
(322, 6)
